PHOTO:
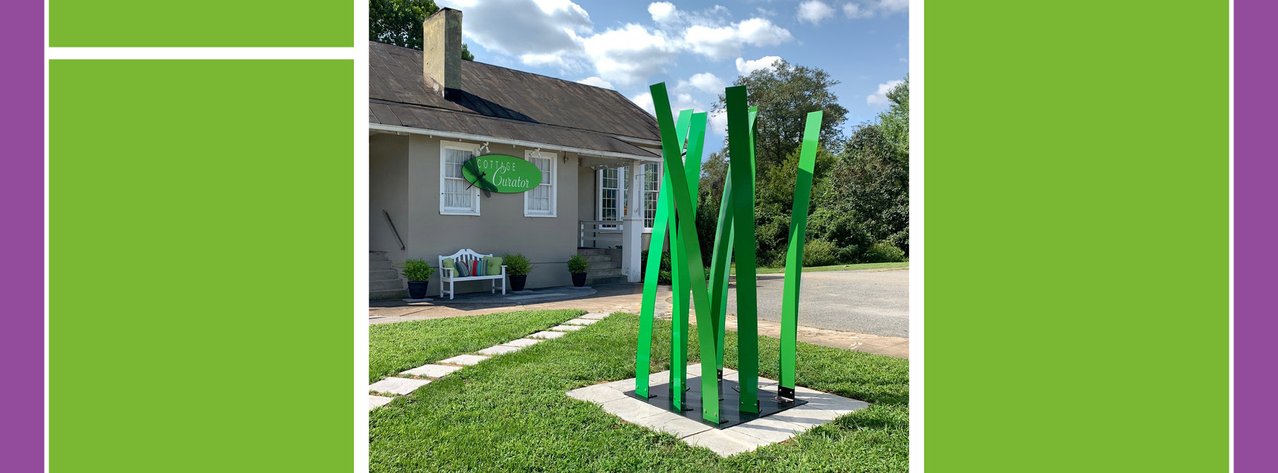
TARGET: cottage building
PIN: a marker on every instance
(429, 111)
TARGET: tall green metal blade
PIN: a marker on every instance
(652, 267)
(794, 255)
(678, 290)
(744, 247)
(687, 239)
(720, 262)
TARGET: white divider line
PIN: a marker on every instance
(201, 53)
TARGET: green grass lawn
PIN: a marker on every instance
(512, 413)
(399, 346)
(837, 267)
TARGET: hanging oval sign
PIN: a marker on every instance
(501, 173)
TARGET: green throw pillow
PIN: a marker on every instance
(494, 265)
(448, 263)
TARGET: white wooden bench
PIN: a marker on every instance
(466, 256)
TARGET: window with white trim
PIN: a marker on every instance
(540, 200)
(456, 195)
(651, 190)
(612, 197)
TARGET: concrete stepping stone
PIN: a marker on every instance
(523, 342)
(566, 328)
(547, 335)
(375, 402)
(594, 316)
(581, 321)
(499, 350)
(399, 386)
(431, 371)
(464, 360)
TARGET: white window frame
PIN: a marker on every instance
(621, 197)
(554, 185)
(443, 173)
(644, 193)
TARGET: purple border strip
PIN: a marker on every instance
(1255, 234)
(22, 243)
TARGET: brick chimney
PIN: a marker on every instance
(441, 49)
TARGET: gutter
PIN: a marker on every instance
(493, 139)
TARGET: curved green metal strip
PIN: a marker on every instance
(678, 289)
(652, 267)
(794, 255)
(720, 261)
(687, 239)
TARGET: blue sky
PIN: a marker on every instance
(696, 47)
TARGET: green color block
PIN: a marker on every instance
(1078, 237)
(739, 149)
(687, 239)
(225, 23)
(794, 253)
(200, 258)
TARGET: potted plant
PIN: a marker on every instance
(417, 272)
(517, 268)
(577, 265)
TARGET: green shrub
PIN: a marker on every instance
(663, 273)
(820, 253)
(516, 264)
(884, 252)
(417, 270)
(577, 264)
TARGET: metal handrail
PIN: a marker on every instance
(393, 229)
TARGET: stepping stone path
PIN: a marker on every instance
(381, 392)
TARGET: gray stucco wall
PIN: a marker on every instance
(388, 190)
(406, 169)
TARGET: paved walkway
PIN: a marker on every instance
(819, 324)
(384, 391)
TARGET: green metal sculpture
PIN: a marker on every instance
(734, 240)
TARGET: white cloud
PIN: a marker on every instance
(875, 7)
(722, 42)
(719, 122)
(532, 30)
(855, 11)
(706, 82)
(630, 55)
(596, 81)
(662, 12)
(879, 97)
(893, 6)
(814, 11)
(745, 67)
(644, 101)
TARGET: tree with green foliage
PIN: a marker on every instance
(399, 22)
(860, 189)
(785, 93)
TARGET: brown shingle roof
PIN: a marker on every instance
(504, 103)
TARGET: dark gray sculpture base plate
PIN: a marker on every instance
(729, 401)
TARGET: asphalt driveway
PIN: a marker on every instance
(866, 301)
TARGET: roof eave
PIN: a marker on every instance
(492, 139)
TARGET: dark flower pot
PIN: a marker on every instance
(578, 279)
(517, 282)
(418, 289)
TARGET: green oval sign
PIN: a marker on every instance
(501, 173)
